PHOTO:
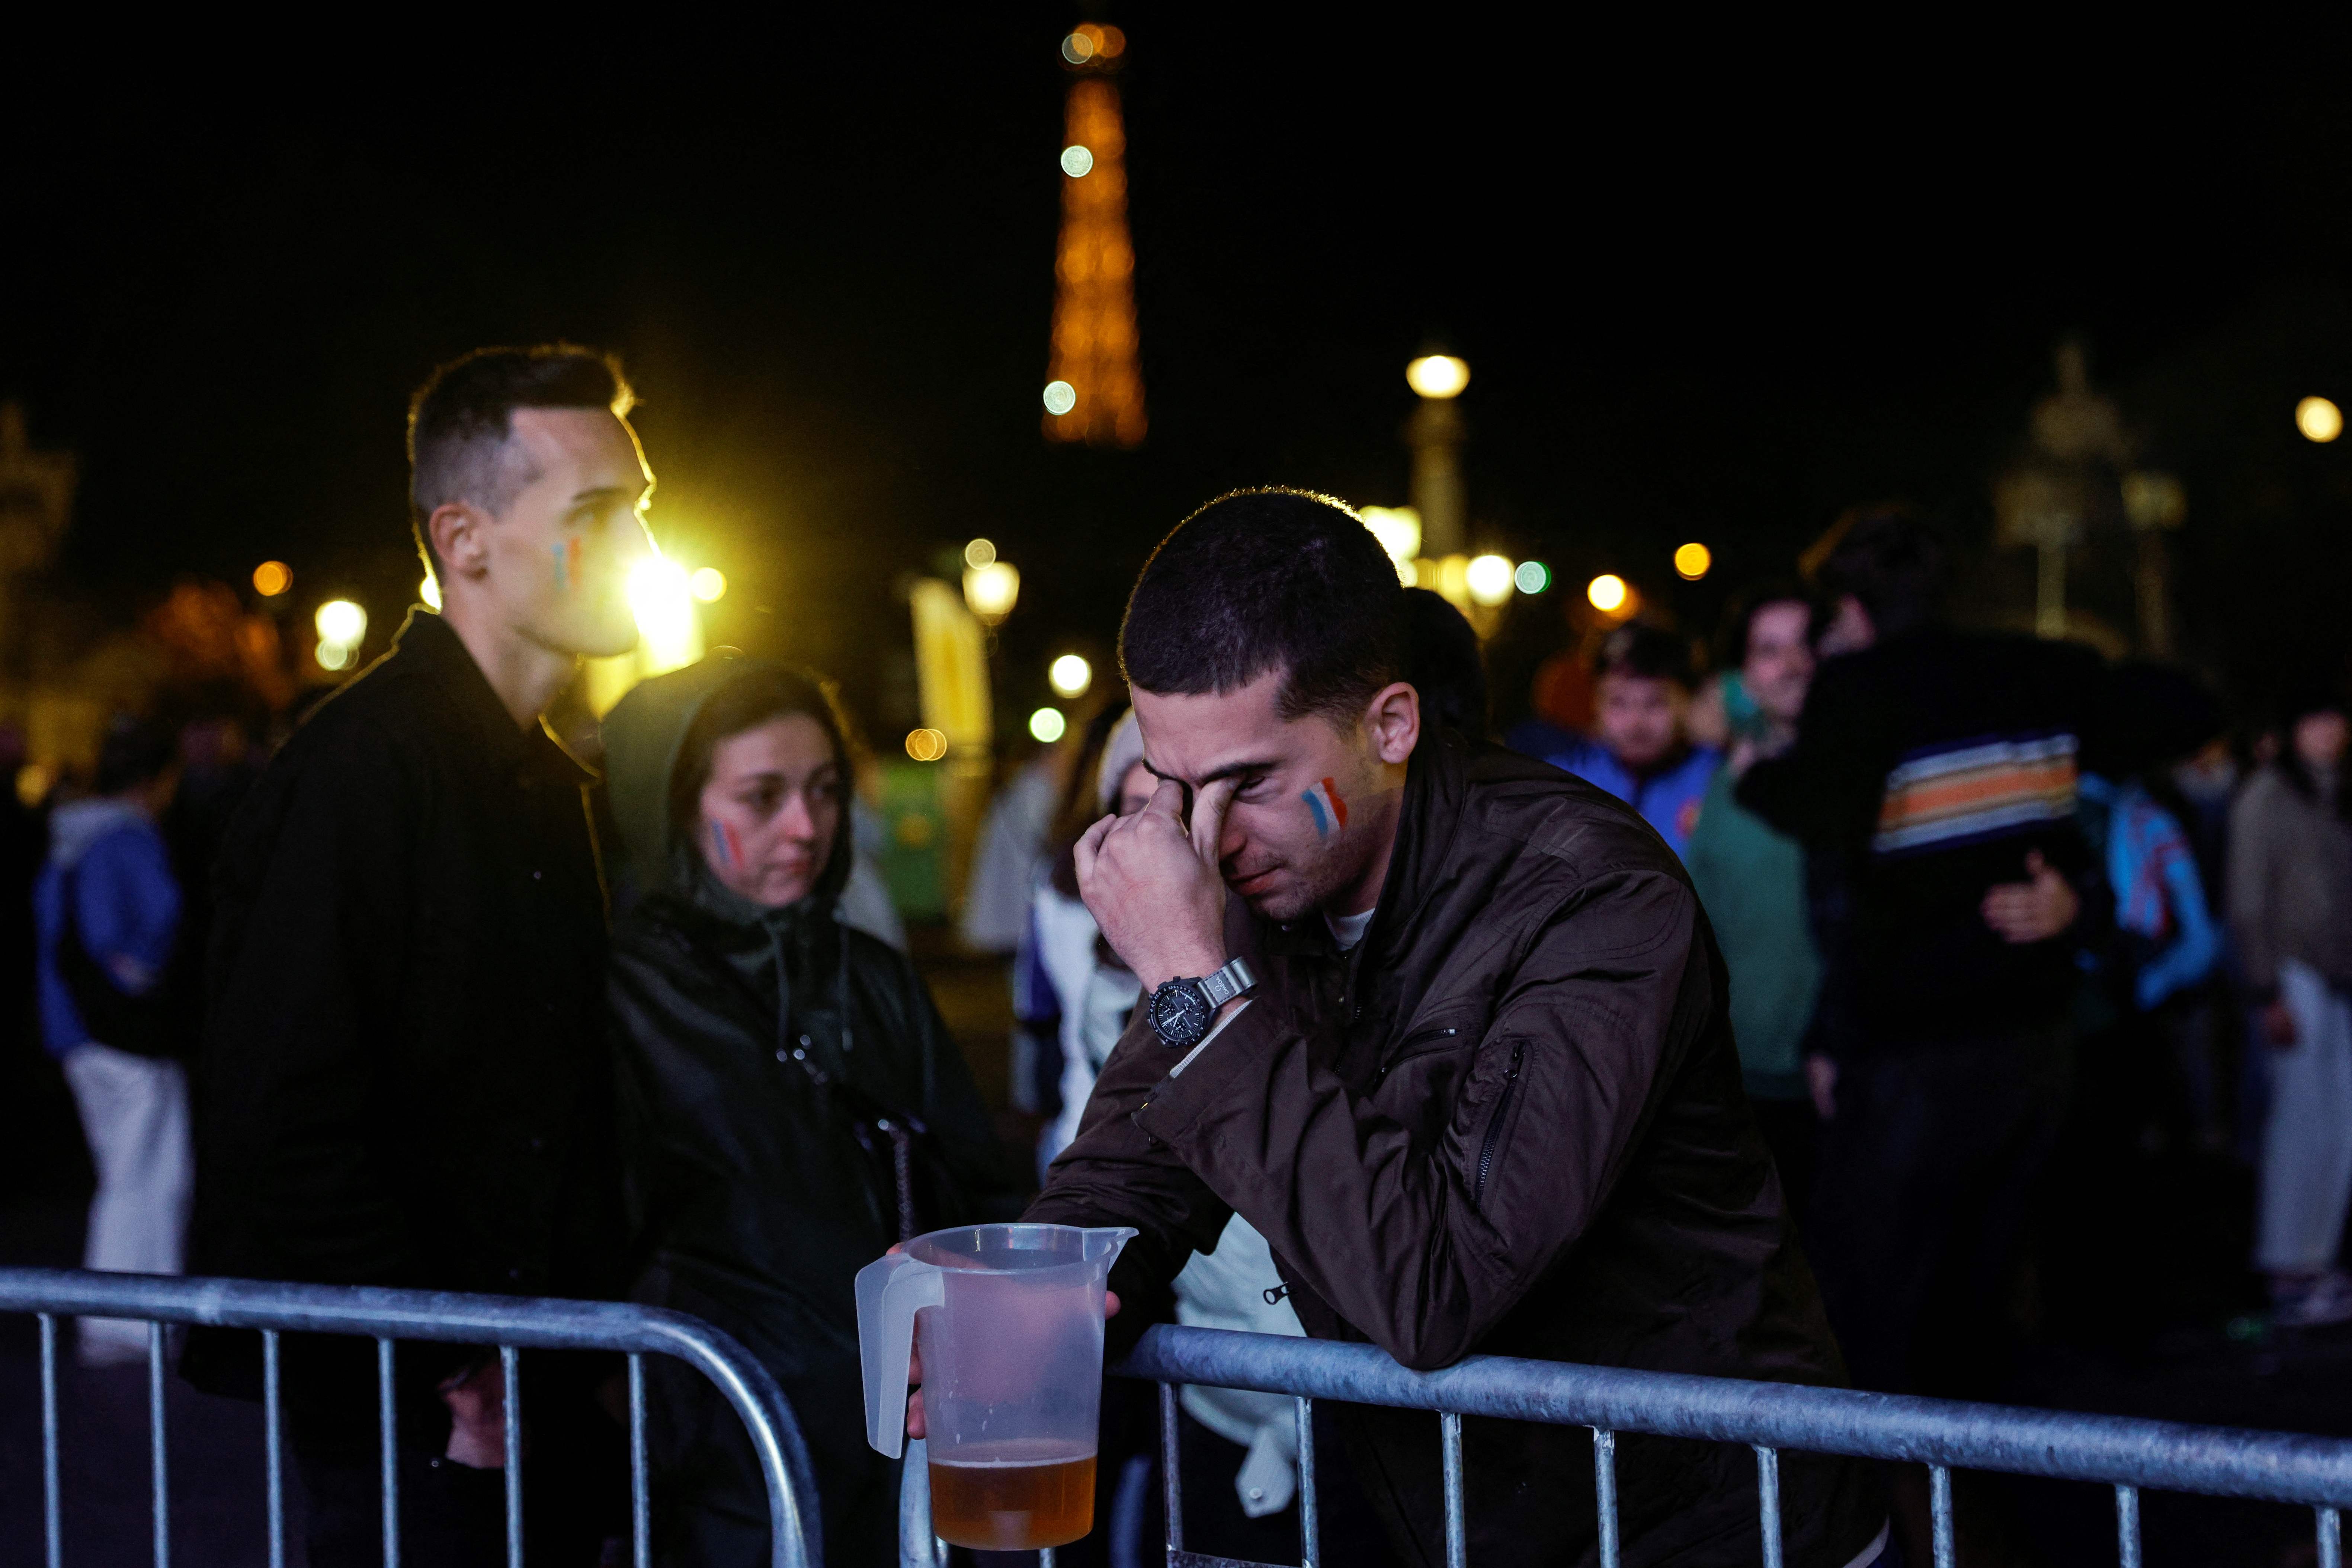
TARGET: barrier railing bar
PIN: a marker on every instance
(387, 1314)
(1171, 1484)
(641, 1524)
(273, 1442)
(1939, 1510)
(387, 1433)
(2331, 1538)
(158, 1467)
(2127, 1526)
(509, 1375)
(2115, 1449)
(52, 1514)
(1311, 1527)
(1457, 1528)
(1768, 1503)
(1605, 1492)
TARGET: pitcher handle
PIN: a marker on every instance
(890, 1291)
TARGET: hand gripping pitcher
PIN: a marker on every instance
(1012, 1323)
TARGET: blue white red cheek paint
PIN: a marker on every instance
(723, 847)
(1329, 810)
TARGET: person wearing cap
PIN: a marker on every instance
(1640, 749)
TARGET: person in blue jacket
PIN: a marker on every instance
(1639, 751)
(106, 910)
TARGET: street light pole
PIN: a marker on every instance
(1434, 433)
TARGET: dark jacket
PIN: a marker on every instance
(1510, 1121)
(406, 1078)
(1926, 767)
(760, 1047)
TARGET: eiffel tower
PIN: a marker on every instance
(1094, 391)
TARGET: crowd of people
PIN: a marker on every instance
(1718, 1023)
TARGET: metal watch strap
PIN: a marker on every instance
(1227, 983)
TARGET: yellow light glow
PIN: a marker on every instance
(1077, 162)
(343, 622)
(335, 656)
(33, 782)
(272, 578)
(428, 592)
(992, 590)
(1070, 675)
(2318, 419)
(1692, 561)
(709, 585)
(1398, 527)
(927, 745)
(1438, 376)
(662, 598)
(1607, 592)
(1488, 578)
(1047, 725)
(1078, 49)
(979, 552)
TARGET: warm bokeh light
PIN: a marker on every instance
(662, 599)
(428, 592)
(1093, 358)
(1532, 577)
(1047, 725)
(979, 552)
(1692, 561)
(1438, 376)
(341, 622)
(1078, 49)
(2318, 419)
(272, 578)
(1488, 578)
(708, 584)
(1398, 527)
(335, 656)
(992, 590)
(1607, 592)
(927, 745)
(1060, 397)
(1070, 675)
(1077, 162)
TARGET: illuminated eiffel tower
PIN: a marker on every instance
(1094, 391)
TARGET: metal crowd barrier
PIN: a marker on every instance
(2126, 1453)
(511, 1324)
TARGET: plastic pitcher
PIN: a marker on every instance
(1011, 1318)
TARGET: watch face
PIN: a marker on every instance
(1180, 1013)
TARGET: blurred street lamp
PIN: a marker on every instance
(661, 596)
(272, 578)
(1532, 577)
(991, 590)
(1606, 593)
(341, 621)
(1046, 725)
(1692, 561)
(1069, 676)
(2155, 505)
(709, 585)
(1434, 433)
(2318, 419)
(927, 745)
(1398, 527)
(1489, 579)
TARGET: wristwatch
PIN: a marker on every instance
(1182, 1009)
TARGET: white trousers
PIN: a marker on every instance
(2306, 1175)
(134, 1112)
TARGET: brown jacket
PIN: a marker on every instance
(1510, 1122)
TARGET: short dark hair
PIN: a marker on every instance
(1267, 580)
(1442, 661)
(1644, 651)
(1740, 620)
(1891, 559)
(460, 420)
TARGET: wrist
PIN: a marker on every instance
(1190, 966)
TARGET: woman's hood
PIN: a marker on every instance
(643, 736)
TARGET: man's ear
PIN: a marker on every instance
(459, 533)
(1392, 720)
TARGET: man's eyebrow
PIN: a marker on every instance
(600, 492)
(1214, 775)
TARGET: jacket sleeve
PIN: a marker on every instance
(304, 976)
(2253, 885)
(1422, 1248)
(1824, 791)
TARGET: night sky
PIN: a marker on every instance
(1717, 302)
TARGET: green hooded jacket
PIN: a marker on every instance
(759, 1048)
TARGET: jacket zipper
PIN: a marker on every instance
(1495, 1123)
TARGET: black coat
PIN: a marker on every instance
(406, 1077)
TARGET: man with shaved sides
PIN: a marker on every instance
(405, 1079)
(1447, 1027)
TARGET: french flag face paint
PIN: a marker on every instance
(567, 563)
(1329, 810)
(724, 847)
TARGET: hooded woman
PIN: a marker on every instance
(792, 1103)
